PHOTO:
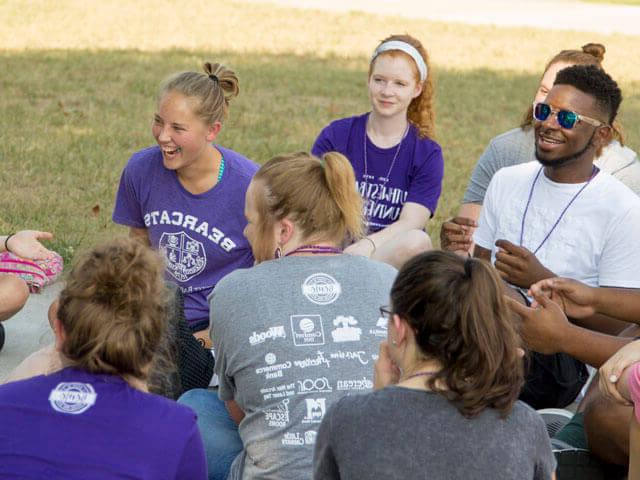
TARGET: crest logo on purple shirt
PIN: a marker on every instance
(185, 256)
(72, 397)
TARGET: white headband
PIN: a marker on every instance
(406, 48)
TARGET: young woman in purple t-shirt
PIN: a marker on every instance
(185, 196)
(95, 418)
(398, 166)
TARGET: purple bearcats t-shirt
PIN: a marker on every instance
(416, 175)
(200, 235)
(77, 425)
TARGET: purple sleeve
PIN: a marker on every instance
(324, 143)
(127, 210)
(193, 464)
(426, 184)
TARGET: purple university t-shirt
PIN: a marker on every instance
(199, 235)
(384, 184)
(77, 425)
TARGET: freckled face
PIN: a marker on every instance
(393, 84)
(180, 133)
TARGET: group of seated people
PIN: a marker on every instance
(308, 329)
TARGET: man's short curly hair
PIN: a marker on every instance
(596, 82)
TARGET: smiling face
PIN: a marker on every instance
(557, 146)
(393, 84)
(182, 136)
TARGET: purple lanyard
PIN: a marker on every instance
(594, 172)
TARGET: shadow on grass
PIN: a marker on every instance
(70, 121)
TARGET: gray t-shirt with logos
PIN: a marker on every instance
(292, 336)
(400, 433)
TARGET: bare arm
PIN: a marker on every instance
(547, 330)
(591, 347)
(140, 233)
(412, 217)
(26, 244)
(621, 303)
(235, 412)
(470, 210)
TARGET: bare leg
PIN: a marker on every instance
(402, 247)
(606, 422)
(14, 293)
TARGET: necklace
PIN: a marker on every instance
(366, 166)
(594, 172)
(221, 168)
(315, 250)
(419, 374)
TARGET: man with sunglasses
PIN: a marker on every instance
(561, 216)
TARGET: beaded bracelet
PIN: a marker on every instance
(6, 241)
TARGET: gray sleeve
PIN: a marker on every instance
(545, 461)
(488, 164)
(226, 384)
(325, 466)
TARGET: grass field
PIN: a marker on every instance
(78, 83)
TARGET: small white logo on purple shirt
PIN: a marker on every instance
(72, 397)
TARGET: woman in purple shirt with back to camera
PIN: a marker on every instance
(398, 166)
(94, 418)
(185, 195)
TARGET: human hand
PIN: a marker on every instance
(363, 248)
(456, 234)
(385, 372)
(612, 369)
(518, 266)
(25, 244)
(543, 327)
(577, 299)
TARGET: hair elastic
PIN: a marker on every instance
(214, 78)
(406, 48)
(467, 266)
(6, 242)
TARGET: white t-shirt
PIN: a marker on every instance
(597, 241)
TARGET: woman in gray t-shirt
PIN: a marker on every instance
(296, 332)
(447, 383)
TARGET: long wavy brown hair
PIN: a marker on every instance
(460, 318)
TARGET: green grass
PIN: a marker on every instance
(71, 116)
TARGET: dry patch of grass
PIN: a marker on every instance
(78, 81)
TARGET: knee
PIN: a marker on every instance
(606, 425)
(197, 398)
(14, 293)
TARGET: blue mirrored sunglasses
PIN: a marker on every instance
(565, 118)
